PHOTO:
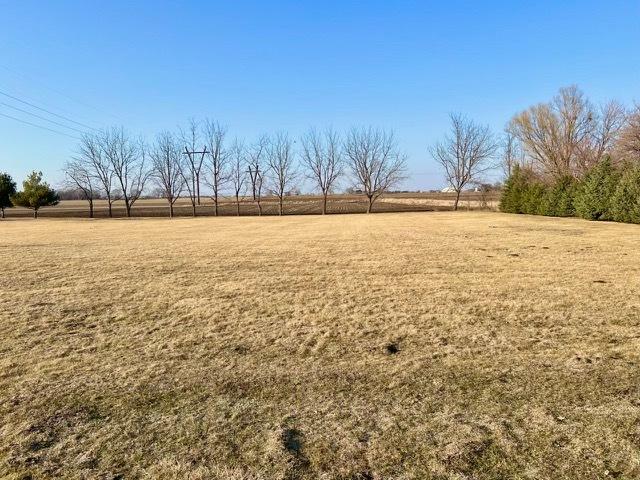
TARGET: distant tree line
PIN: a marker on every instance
(564, 157)
(570, 158)
(113, 165)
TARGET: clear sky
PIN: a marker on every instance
(272, 66)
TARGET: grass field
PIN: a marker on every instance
(294, 205)
(394, 346)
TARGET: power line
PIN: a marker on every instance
(47, 111)
(38, 126)
(41, 117)
(79, 102)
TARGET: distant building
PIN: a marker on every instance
(448, 190)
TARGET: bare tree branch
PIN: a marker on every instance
(512, 153)
(628, 144)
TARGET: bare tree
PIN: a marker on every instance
(282, 166)
(375, 160)
(218, 159)
(465, 153)
(606, 124)
(238, 170)
(80, 176)
(322, 156)
(92, 156)
(512, 153)
(567, 135)
(255, 157)
(195, 157)
(127, 160)
(165, 166)
(628, 144)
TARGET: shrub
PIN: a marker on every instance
(625, 204)
(593, 198)
(558, 200)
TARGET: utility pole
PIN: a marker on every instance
(195, 177)
(256, 184)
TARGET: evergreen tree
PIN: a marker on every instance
(511, 198)
(625, 204)
(7, 190)
(593, 199)
(532, 197)
(559, 198)
(35, 194)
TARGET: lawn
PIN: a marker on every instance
(445, 345)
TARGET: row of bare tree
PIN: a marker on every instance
(564, 137)
(114, 165)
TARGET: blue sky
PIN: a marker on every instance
(272, 66)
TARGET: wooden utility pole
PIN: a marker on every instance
(195, 177)
(256, 184)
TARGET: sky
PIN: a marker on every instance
(266, 67)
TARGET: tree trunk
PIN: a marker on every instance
(128, 207)
(170, 210)
(2, 209)
(455, 205)
(324, 204)
(259, 209)
(110, 208)
(237, 205)
(35, 213)
(370, 206)
(193, 206)
(215, 202)
(90, 208)
(280, 206)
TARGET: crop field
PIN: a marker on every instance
(294, 205)
(468, 345)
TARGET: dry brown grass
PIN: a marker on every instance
(417, 345)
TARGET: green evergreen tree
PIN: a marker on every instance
(532, 198)
(593, 199)
(35, 194)
(7, 190)
(625, 204)
(559, 198)
(511, 198)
